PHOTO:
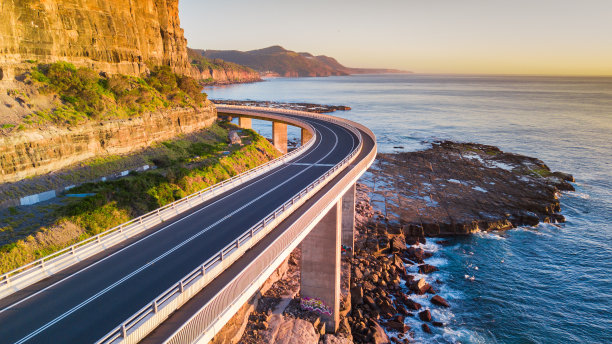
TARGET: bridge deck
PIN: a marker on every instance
(174, 322)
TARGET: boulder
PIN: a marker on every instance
(416, 254)
(426, 328)
(357, 295)
(388, 309)
(397, 326)
(440, 301)
(378, 334)
(398, 244)
(415, 306)
(331, 339)
(293, 331)
(427, 269)
(357, 274)
(425, 315)
(234, 138)
(368, 300)
(420, 287)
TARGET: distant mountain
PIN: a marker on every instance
(278, 61)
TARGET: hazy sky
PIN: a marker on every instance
(428, 36)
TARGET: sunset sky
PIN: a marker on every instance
(428, 36)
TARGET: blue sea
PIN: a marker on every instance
(548, 284)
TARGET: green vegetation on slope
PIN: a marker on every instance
(84, 94)
(203, 63)
(187, 168)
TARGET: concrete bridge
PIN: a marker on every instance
(178, 274)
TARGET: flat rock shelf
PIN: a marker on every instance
(460, 188)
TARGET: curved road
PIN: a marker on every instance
(94, 299)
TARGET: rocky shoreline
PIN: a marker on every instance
(317, 108)
(390, 292)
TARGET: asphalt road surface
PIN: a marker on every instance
(93, 300)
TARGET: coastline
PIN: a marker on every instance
(397, 292)
(529, 272)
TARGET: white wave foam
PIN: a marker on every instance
(580, 195)
(490, 235)
(436, 261)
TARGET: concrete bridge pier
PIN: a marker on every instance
(320, 270)
(279, 136)
(244, 122)
(306, 135)
(348, 220)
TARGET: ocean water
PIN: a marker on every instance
(548, 284)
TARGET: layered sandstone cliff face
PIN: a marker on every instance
(36, 152)
(229, 76)
(115, 36)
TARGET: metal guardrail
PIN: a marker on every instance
(171, 299)
(214, 314)
(35, 271)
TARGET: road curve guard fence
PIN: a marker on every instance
(206, 322)
(149, 317)
(49, 265)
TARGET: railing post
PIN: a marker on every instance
(155, 306)
(123, 331)
(181, 286)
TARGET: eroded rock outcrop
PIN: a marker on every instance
(33, 152)
(115, 36)
(461, 188)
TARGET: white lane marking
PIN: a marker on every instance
(104, 291)
(309, 164)
(156, 232)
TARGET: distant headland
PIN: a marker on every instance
(278, 61)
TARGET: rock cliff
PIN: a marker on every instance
(224, 76)
(220, 72)
(33, 152)
(115, 36)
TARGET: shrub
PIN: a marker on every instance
(87, 95)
